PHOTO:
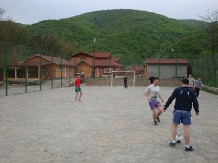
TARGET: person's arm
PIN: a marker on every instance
(148, 97)
(169, 101)
(160, 97)
(146, 93)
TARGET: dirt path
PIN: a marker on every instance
(111, 125)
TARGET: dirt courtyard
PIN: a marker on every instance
(110, 125)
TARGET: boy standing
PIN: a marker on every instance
(191, 82)
(153, 95)
(198, 84)
(182, 108)
(77, 87)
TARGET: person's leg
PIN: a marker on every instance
(154, 114)
(160, 110)
(176, 121)
(154, 111)
(197, 92)
(186, 126)
(76, 96)
(174, 131)
(80, 96)
(187, 134)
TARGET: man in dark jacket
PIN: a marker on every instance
(182, 111)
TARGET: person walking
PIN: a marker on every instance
(182, 111)
(153, 95)
(198, 84)
(125, 82)
(191, 82)
(77, 87)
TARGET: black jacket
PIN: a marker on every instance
(184, 99)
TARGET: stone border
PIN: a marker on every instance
(210, 89)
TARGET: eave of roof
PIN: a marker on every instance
(103, 64)
(56, 60)
(167, 61)
(29, 64)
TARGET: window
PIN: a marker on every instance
(107, 70)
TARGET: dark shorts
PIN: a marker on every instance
(154, 104)
(78, 89)
(182, 116)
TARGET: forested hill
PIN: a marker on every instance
(129, 34)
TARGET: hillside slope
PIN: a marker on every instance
(129, 34)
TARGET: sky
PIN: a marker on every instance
(33, 11)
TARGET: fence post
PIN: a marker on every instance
(176, 68)
(159, 67)
(215, 67)
(6, 68)
(197, 66)
(26, 70)
(40, 71)
(75, 67)
(69, 68)
(202, 69)
(52, 70)
(61, 70)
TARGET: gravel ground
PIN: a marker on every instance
(111, 125)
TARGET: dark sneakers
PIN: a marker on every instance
(172, 144)
(158, 119)
(178, 141)
(189, 149)
(155, 122)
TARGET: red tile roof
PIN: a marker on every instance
(109, 63)
(56, 60)
(115, 59)
(100, 54)
(103, 64)
(81, 53)
(166, 61)
(29, 64)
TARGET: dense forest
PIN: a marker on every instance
(131, 35)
